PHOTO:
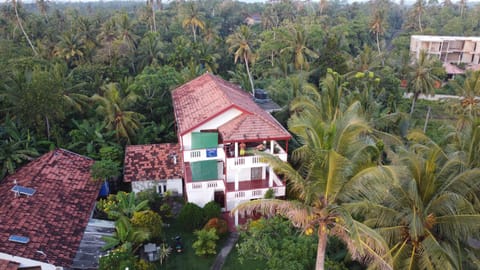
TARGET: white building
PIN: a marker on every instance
(219, 126)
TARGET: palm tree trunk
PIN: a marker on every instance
(21, 27)
(322, 246)
(413, 105)
(194, 34)
(153, 17)
(420, 22)
(47, 123)
(248, 73)
(426, 119)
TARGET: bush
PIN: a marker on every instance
(150, 221)
(191, 217)
(154, 199)
(211, 210)
(206, 242)
(220, 226)
(117, 259)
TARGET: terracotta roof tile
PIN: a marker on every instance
(207, 96)
(8, 265)
(55, 216)
(152, 162)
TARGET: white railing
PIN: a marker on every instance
(254, 193)
(206, 185)
(201, 154)
(254, 161)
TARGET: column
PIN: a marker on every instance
(270, 177)
(236, 181)
(272, 147)
(236, 149)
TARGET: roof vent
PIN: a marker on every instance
(19, 239)
(173, 156)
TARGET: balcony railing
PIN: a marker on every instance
(254, 194)
(203, 154)
(254, 160)
(206, 185)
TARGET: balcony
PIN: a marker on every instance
(212, 185)
(251, 160)
(254, 189)
(203, 154)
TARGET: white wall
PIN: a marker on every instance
(212, 124)
(201, 197)
(172, 185)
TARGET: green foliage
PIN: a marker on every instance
(117, 259)
(112, 152)
(105, 169)
(220, 226)
(191, 217)
(121, 204)
(270, 194)
(150, 221)
(206, 242)
(211, 210)
(278, 243)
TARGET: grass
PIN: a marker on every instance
(232, 263)
(187, 259)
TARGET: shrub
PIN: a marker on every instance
(270, 194)
(220, 226)
(150, 221)
(211, 210)
(191, 217)
(154, 199)
(206, 242)
(117, 259)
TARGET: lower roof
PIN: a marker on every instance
(54, 218)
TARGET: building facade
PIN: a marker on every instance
(222, 133)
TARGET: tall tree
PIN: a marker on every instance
(295, 40)
(19, 22)
(112, 106)
(193, 19)
(376, 26)
(418, 10)
(334, 155)
(421, 77)
(241, 43)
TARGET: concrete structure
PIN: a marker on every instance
(221, 131)
(449, 49)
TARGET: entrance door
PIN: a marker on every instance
(219, 197)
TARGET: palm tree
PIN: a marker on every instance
(376, 26)
(421, 78)
(418, 10)
(241, 43)
(468, 90)
(19, 22)
(428, 211)
(193, 19)
(150, 50)
(463, 4)
(295, 41)
(112, 106)
(71, 48)
(126, 236)
(333, 155)
(15, 147)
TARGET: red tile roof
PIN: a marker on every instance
(55, 216)
(207, 96)
(152, 162)
(8, 265)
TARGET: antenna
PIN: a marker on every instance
(15, 190)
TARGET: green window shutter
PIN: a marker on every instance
(204, 170)
(202, 140)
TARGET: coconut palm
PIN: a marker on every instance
(334, 154)
(421, 76)
(112, 107)
(193, 19)
(464, 141)
(376, 26)
(71, 48)
(15, 4)
(295, 40)
(418, 10)
(469, 90)
(429, 209)
(241, 43)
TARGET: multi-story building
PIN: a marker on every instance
(220, 131)
(449, 49)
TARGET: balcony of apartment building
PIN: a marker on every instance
(248, 154)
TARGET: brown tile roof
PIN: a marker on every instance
(207, 96)
(55, 216)
(8, 265)
(152, 162)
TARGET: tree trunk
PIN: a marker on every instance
(322, 247)
(153, 17)
(420, 22)
(426, 120)
(249, 75)
(47, 123)
(194, 34)
(21, 27)
(413, 104)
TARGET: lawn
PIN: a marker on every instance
(187, 259)
(232, 263)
